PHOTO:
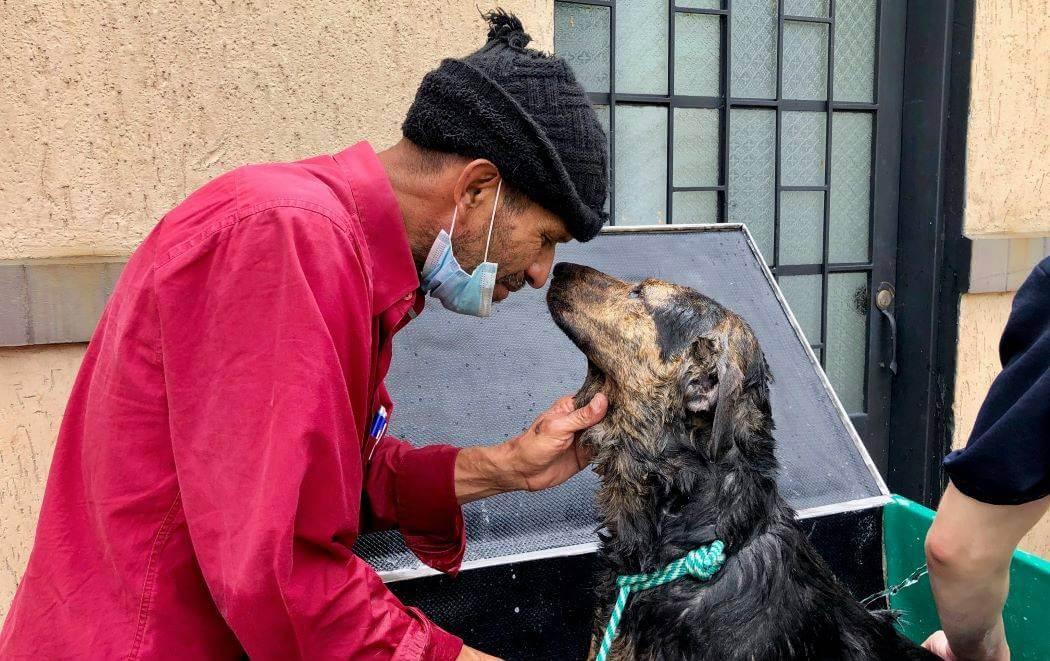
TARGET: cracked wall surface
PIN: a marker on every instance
(112, 111)
(34, 385)
(1008, 139)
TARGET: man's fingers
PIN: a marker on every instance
(583, 417)
(556, 410)
(471, 654)
(938, 644)
(562, 406)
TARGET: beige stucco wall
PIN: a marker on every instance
(1008, 152)
(111, 112)
(34, 385)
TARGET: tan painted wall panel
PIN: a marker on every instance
(34, 385)
(1038, 540)
(982, 318)
(112, 112)
(1008, 146)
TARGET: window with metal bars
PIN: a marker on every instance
(761, 112)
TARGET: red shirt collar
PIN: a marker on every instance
(394, 275)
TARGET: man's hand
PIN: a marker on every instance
(544, 455)
(938, 644)
(471, 654)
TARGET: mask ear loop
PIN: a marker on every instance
(492, 220)
(452, 229)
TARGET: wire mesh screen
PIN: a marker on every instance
(466, 381)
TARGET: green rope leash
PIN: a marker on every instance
(701, 564)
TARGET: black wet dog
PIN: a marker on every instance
(687, 445)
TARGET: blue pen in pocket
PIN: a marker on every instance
(377, 430)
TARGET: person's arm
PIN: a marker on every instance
(1000, 485)
(419, 491)
(968, 550)
(543, 456)
(264, 330)
(412, 490)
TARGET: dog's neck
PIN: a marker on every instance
(660, 489)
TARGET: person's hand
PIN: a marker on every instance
(471, 654)
(546, 454)
(938, 644)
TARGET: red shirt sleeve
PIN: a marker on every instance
(413, 489)
(265, 335)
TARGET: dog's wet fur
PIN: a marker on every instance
(687, 443)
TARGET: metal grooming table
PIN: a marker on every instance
(466, 381)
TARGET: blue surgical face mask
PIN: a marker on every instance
(445, 280)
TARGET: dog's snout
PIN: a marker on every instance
(566, 269)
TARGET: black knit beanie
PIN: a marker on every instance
(524, 111)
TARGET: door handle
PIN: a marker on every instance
(884, 302)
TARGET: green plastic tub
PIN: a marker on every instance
(1027, 612)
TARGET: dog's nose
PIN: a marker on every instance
(565, 269)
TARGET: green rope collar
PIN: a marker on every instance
(701, 564)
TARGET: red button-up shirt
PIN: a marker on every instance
(209, 479)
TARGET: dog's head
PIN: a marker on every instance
(665, 355)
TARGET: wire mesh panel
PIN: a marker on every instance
(767, 113)
(467, 381)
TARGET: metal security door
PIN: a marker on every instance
(780, 114)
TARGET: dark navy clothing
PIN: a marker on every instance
(1007, 459)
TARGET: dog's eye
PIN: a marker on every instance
(635, 292)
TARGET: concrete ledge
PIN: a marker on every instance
(52, 301)
(1002, 264)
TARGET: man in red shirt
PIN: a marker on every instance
(222, 447)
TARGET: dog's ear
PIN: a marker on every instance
(712, 384)
(723, 427)
(699, 378)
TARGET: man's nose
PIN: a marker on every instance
(540, 269)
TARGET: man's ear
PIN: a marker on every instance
(478, 177)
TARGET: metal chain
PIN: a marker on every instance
(911, 580)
